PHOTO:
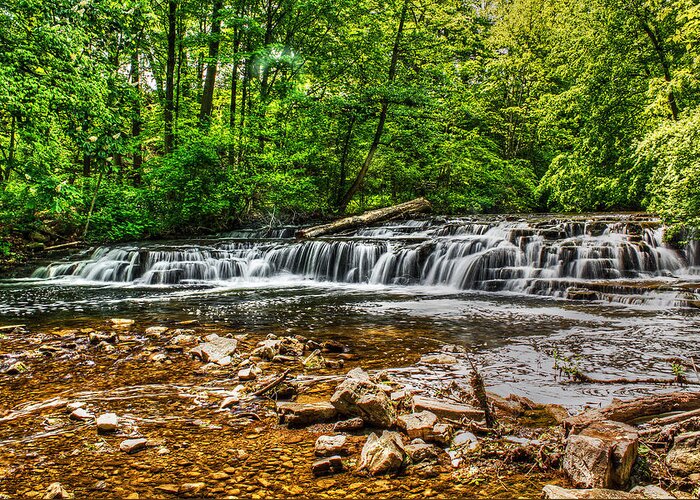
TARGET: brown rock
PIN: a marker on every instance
(417, 425)
(382, 455)
(447, 409)
(300, 414)
(352, 424)
(357, 395)
(326, 466)
(133, 445)
(327, 446)
(557, 492)
(684, 457)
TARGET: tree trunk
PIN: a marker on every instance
(208, 91)
(170, 77)
(382, 214)
(382, 117)
(11, 153)
(665, 66)
(344, 159)
(136, 119)
(234, 93)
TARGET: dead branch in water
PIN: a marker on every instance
(477, 383)
(271, 385)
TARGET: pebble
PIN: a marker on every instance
(133, 445)
(81, 414)
(107, 422)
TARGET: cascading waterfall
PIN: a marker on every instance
(548, 257)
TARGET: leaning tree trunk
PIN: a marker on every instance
(382, 214)
(170, 78)
(213, 61)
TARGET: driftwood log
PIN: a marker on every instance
(627, 411)
(63, 245)
(379, 215)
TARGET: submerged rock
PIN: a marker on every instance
(557, 492)
(133, 445)
(301, 414)
(16, 368)
(121, 322)
(352, 424)
(215, 350)
(357, 395)
(57, 491)
(438, 359)
(382, 455)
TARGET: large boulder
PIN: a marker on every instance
(602, 455)
(327, 446)
(215, 349)
(359, 396)
(684, 457)
(382, 455)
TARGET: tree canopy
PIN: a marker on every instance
(141, 118)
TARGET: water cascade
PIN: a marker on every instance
(623, 259)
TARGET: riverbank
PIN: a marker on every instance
(201, 410)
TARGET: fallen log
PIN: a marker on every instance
(379, 215)
(63, 245)
(627, 411)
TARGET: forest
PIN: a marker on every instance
(144, 118)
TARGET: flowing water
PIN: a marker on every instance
(601, 294)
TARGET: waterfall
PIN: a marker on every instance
(546, 257)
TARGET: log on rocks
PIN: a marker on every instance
(63, 245)
(627, 411)
(379, 215)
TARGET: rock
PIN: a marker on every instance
(81, 414)
(327, 466)
(651, 491)
(333, 346)
(183, 339)
(96, 338)
(133, 445)
(301, 414)
(357, 395)
(684, 457)
(424, 453)
(159, 357)
(327, 446)
(352, 424)
(397, 396)
(557, 492)
(382, 455)
(267, 349)
(465, 438)
(191, 489)
(107, 422)
(602, 455)
(439, 359)
(215, 350)
(246, 374)
(121, 322)
(581, 294)
(446, 409)
(283, 358)
(16, 368)
(56, 490)
(417, 425)
(441, 434)
(557, 412)
(70, 407)
(173, 489)
(156, 331)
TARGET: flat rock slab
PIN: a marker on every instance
(326, 466)
(447, 409)
(557, 492)
(349, 425)
(215, 350)
(438, 359)
(133, 445)
(417, 425)
(327, 446)
(301, 414)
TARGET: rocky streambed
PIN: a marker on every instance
(124, 409)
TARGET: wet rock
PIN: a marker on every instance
(441, 434)
(267, 349)
(333, 346)
(156, 331)
(352, 424)
(291, 346)
(70, 407)
(326, 466)
(447, 409)
(107, 422)
(180, 338)
(16, 368)
(684, 457)
(581, 294)
(330, 445)
(417, 425)
(438, 359)
(420, 452)
(215, 350)
(302, 414)
(357, 395)
(173, 489)
(133, 445)
(282, 358)
(121, 322)
(55, 491)
(602, 455)
(382, 455)
(159, 357)
(557, 492)
(557, 412)
(191, 489)
(246, 374)
(81, 414)
(651, 491)
(465, 439)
